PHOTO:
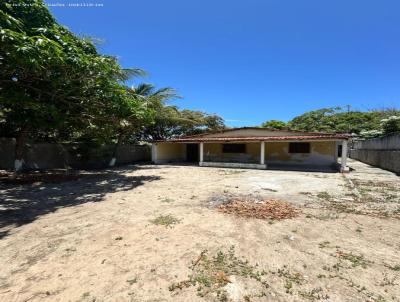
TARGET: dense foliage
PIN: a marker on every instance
(274, 124)
(337, 120)
(55, 86)
(170, 122)
(391, 124)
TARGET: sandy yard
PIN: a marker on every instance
(153, 233)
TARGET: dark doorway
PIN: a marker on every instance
(192, 153)
(339, 151)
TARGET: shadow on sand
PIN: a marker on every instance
(22, 204)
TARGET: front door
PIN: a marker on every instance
(192, 153)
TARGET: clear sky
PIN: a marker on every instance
(253, 60)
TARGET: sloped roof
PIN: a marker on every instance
(297, 135)
(256, 128)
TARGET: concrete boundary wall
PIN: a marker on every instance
(53, 156)
(381, 152)
(389, 142)
(388, 160)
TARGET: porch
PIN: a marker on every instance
(254, 154)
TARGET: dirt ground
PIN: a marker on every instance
(153, 233)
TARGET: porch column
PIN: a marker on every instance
(201, 152)
(262, 153)
(154, 153)
(344, 167)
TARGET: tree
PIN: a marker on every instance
(370, 134)
(134, 112)
(56, 87)
(337, 120)
(170, 121)
(391, 124)
(52, 81)
(274, 124)
(317, 120)
(197, 122)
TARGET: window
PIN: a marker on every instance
(299, 147)
(233, 148)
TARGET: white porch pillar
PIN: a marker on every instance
(154, 153)
(201, 152)
(262, 153)
(344, 167)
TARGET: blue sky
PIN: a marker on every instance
(254, 60)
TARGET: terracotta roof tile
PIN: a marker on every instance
(254, 128)
(257, 138)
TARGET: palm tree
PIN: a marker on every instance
(138, 109)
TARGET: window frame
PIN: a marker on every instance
(241, 148)
(299, 148)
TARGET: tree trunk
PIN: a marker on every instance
(119, 143)
(65, 157)
(19, 149)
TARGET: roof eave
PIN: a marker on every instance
(253, 139)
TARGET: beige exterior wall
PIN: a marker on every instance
(255, 132)
(322, 153)
(213, 152)
(169, 152)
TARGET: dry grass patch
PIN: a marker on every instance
(166, 220)
(212, 273)
(369, 201)
(355, 260)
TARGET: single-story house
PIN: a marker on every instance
(256, 148)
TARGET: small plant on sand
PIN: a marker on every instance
(284, 272)
(324, 195)
(324, 244)
(211, 273)
(132, 281)
(395, 267)
(356, 260)
(288, 286)
(167, 220)
(314, 294)
(290, 279)
(167, 200)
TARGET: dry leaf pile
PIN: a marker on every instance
(261, 209)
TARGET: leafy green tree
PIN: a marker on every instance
(370, 134)
(196, 122)
(135, 112)
(274, 124)
(337, 120)
(391, 124)
(51, 80)
(317, 120)
(170, 121)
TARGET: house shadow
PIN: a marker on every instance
(303, 168)
(23, 204)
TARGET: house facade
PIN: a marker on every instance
(257, 148)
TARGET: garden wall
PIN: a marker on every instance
(53, 156)
(381, 152)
